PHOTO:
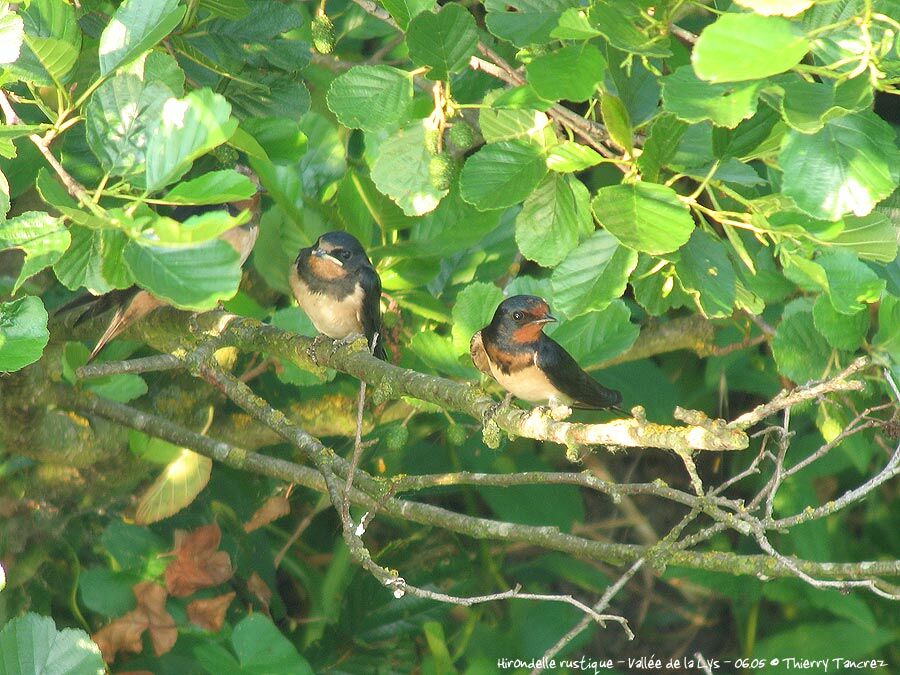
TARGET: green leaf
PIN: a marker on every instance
(800, 352)
(271, 95)
(644, 216)
(12, 31)
(215, 187)
(87, 260)
(439, 234)
(657, 289)
(437, 645)
(31, 644)
(279, 137)
(501, 174)
(739, 47)
(441, 353)
(106, 592)
(261, 648)
(842, 331)
(553, 219)
(442, 41)
(473, 309)
(872, 237)
(387, 92)
(196, 229)
(661, 145)
(851, 283)
(176, 487)
(227, 9)
(23, 334)
(122, 116)
(190, 127)
(505, 124)
(40, 236)
(51, 45)
(574, 24)
(771, 7)
(569, 157)
(617, 121)
(401, 171)
(570, 73)
(195, 277)
(847, 167)
(136, 26)
(619, 23)
(694, 100)
(524, 22)
(120, 388)
(888, 336)
(597, 336)
(705, 271)
(807, 106)
(593, 275)
(4, 197)
(404, 10)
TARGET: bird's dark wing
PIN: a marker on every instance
(566, 375)
(96, 305)
(479, 355)
(370, 313)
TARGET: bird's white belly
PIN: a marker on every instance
(528, 384)
(335, 318)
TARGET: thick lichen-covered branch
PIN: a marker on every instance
(166, 331)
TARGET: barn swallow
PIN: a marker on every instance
(514, 351)
(134, 303)
(340, 291)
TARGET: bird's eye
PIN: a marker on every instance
(346, 255)
(517, 316)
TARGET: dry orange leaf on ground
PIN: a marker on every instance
(151, 598)
(209, 613)
(274, 508)
(260, 589)
(123, 634)
(199, 563)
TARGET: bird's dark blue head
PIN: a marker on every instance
(340, 249)
(521, 318)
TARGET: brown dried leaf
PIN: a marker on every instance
(123, 634)
(274, 508)
(260, 589)
(199, 563)
(151, 598)
(209, 613)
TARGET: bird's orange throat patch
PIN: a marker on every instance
(528, 333)
(325, 268)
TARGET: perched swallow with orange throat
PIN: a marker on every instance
(340, 291)
(514, 351)
(132, 304)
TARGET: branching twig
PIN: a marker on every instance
(787, 399)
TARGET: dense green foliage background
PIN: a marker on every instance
(635, 163)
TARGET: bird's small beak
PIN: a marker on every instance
(549, 318)
(320, 253)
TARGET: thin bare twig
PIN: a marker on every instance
(812, 390)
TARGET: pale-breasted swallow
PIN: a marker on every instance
(340, 291)
(514, 351)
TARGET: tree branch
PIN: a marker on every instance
(478, 528)
(812, 390)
